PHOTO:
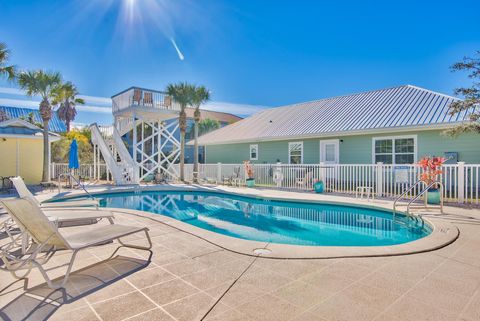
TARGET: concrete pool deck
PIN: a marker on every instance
(189, 278)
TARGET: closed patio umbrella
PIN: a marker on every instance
(73, 158)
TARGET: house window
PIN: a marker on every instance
(253, 152)
(295, 153)
(395, 150)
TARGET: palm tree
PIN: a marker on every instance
(200, 96)
(42, 83)
(207, 125)
(65, 95)
(5, 70)
(183, 94)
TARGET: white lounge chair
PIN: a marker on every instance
(23, 191)
(48, 239)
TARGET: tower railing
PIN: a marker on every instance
(143, 98)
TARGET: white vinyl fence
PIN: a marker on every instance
(461, 181)
(86, 171)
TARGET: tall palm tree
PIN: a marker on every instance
(183, 94)
(42, 83)
(6, 70)
(65, 95)
(200, 96)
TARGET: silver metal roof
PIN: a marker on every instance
(392, 108)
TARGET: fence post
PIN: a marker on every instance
(53, 170)
(379, 179)
(461, 182)
(219, 173)
(322, 173)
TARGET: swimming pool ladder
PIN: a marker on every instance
(424, 190)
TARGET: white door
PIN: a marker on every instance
(330, 151)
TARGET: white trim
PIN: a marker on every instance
(301, 155)
(323, 142)
(18, 121)
(51, 138)
(415, 146)
(250, 151)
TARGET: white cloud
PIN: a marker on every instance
(34, 104)
(94, 99)
(18, 103)
(105, 104)
(11, 91)
(232, 108)
(89, 99)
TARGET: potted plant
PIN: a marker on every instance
(249, 173)
(431, 168)
(318, 186)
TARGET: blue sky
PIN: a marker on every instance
(249, 53)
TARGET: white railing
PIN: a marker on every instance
(86, 171)
(139, 97)
(461, 181)
(124, 172)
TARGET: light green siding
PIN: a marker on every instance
(353, 149)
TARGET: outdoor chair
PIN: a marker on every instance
(203, 178)
(235, 179)
(48, 240)
(137, 96)
(23, 191)
(148, 99)
(6, 184)
(306, 181)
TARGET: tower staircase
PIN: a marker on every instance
(117, 158)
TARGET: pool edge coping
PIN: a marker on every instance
(442, 234)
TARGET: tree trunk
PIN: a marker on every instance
(196, 118)
(67, 122)
(46, 152)
(183, 129)
(195, 154)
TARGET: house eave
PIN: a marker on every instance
(52, 138)
(338, 134)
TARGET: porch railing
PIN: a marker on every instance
(145, 98)
(461, 181)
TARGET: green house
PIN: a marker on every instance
(396, 125)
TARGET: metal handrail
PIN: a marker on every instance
(69, 175)
(403, 194)
(423, 192)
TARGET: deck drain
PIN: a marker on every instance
(261, 251)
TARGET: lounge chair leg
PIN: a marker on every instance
(122, 244)
(65, 278)
(138, 246)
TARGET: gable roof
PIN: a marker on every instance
(217, 115)
(21, 128)
(399, 107)
(55, 125)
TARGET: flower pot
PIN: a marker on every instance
(433, 196)
(318, 187)
(250, 182)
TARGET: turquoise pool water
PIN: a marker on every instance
(275, 221)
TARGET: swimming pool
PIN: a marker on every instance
(283, 222)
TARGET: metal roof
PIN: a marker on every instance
(55, 125)
(399, 107)
(20, 128)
